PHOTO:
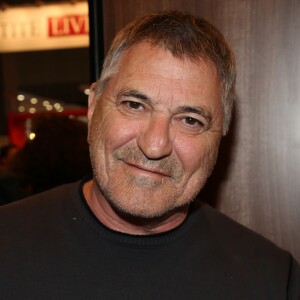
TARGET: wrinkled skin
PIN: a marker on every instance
(154, 136)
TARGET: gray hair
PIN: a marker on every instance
(184, 36)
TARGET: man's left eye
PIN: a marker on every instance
(193, 122)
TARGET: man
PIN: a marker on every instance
(156, 118)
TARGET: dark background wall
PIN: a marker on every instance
(257, 177)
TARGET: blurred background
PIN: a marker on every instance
(44, 61)
(44, 80)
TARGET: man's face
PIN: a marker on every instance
(155, 131)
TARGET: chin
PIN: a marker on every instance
(146, 209)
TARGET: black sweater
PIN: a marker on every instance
(53, 247)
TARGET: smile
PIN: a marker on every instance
(147, 170)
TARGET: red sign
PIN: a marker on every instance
(17, 124)
(68, 25)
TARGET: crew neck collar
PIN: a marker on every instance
(124, 238)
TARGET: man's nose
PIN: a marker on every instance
(155, 138)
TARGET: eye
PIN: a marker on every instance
(192, 122)
(193, 125)
(132, 105)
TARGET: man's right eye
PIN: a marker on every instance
(133, 105)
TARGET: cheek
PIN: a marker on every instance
(196, 156)
(115, 132)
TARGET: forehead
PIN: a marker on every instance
(156, 71)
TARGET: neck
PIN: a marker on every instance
(125, 223)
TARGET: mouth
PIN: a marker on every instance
(148, 170)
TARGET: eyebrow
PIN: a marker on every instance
(135, 94)
(196, 110)
(181, 109)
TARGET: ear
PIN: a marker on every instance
(91, 102)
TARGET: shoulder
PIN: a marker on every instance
(236, 241)
(226, 229)
(245, 252)
(37, 208)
